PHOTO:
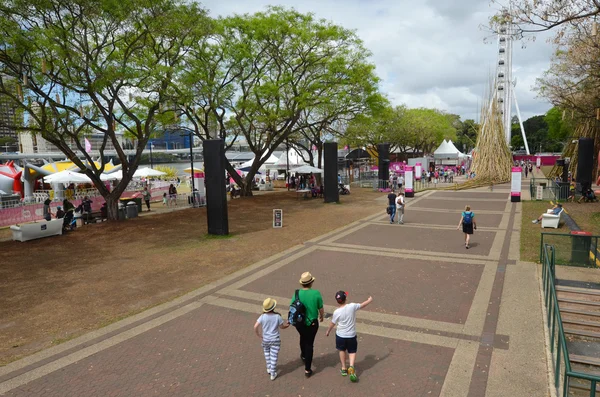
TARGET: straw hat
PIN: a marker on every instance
(269, 304)
(306, 278)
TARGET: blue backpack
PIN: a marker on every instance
(467, 218)
(297, 312)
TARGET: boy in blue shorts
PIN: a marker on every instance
(344, 317)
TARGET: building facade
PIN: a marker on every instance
(9, 119)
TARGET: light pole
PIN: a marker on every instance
(192, 165)
(287, 165)
(151, 162)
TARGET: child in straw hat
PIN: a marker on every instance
(269, 324)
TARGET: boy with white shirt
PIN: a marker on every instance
(345, 335)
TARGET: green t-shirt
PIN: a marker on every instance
(312, 300)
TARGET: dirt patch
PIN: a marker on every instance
(54, 289)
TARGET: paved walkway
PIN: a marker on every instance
(445, 321)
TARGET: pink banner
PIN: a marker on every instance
(544, 160)
(34, 212)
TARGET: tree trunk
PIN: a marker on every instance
(320, 152)
(238, 179)
(112, 207)
(247, 189)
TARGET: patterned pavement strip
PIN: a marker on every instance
(433, 329)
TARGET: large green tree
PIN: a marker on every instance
(406, 130)
(95, 67)
(384, 125)
(272, 75)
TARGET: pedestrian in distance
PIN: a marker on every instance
(467, 220)
(400, 204)
(391, 210)
(172, 195)
(312, 301)
(147, 196)
(555, 210)
(47, 213)
(346, 343)
(267, 329)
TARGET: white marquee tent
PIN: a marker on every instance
(271, 160)
(295, 160)
(448, 154)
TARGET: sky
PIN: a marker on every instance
(428, 53)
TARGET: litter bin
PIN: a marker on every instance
(137, 200)
(122, 212)
(580, 247)
(132, 210)
(197, 199)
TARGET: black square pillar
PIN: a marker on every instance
(216, 196)
(332, 194)
(383, 153)
(585, 161)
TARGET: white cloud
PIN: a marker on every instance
(428, 53)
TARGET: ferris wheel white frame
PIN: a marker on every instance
(505, 93)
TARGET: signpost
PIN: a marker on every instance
(408, 181)
(277, 218)
(539, 193)
(418, 171)
(515, 185)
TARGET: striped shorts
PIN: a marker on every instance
(271, 350)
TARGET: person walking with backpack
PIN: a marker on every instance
(306, 310)
(467, 220)
(391, 210)
(269, 324)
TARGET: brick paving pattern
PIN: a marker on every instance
(431, 331)
(420, 239)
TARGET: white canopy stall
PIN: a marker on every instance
(448, 154)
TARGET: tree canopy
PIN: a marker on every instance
(532, 16)
(407, 130)
(101, 66)
(273, 76)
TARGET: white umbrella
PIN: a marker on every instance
(146, 172)
(113, 176)
(67, 176)
(307, 169)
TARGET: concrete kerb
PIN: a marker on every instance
(549, 356)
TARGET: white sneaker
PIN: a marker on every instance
(273, 375)
(534, 221)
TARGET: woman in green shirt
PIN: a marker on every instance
(313, 302)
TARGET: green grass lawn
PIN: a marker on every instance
(586, 215)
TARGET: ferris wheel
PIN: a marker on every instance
(505, 93)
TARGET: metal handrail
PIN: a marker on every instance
(555, 324)
(594, 247)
